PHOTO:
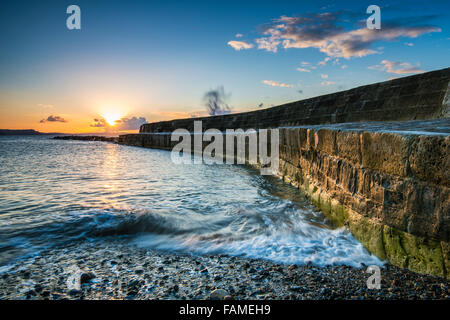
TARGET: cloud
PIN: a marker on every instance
(133, 123)
(324, 76)
(324, 32)
(240, 45)
(396, 67)
(409, 44)
(324, 61)
(124, 124)
(99, 123)
(327, 83)
(306, 67)
(277, 84)
(239, 35)
(268, 44)
(53, 118)
(215, 101)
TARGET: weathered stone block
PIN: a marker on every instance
(427, 210)
(303, 138)
(294, 138)
(393, 248)
(311, 138)
(415, 253)
(338, 214)
(446, 256)
(430, 159)
(348, 177)
(385, 152)
(325, 140)
(282, 136)
(348, 146)
(424, 256)
(368, 232)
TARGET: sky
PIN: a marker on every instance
(144, 61)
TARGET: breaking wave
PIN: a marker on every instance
(98, 192)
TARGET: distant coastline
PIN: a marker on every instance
(65, 136)
(27, 132)
(87, 138)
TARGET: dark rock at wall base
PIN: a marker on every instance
(88, 138)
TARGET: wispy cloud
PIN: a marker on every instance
(324, 32)
(239, 35)
(306, 67)
(53, 118)
(240, 45)
(396, 67)
(324, 76)
(99, 123)
(327, 83)
(277, 84)
(323, 62)
(133, 123)
(123, 124)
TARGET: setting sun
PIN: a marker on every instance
(112, 116)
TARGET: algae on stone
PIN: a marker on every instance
(368, 232)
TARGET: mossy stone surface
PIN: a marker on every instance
(395, 252)
(424, 256)
(368, 232)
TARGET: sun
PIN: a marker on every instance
(111, 116)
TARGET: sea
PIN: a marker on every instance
(59, 192)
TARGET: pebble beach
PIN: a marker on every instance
(115, 270)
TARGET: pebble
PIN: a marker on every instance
(86, 277)
(218, 294)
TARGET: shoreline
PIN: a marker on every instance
(117, 270)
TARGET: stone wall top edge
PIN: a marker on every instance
(439, 75)
(437, 127)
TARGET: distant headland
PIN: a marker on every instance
(24, 132)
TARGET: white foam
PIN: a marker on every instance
(299, 243)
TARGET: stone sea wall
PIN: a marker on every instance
(390, 189)
(388, 182)
(409, 98)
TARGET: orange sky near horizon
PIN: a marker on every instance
(24, 114)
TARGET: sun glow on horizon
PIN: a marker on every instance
(112, 116)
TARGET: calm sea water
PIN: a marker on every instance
(55, 192)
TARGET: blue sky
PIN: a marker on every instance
(156, 59)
